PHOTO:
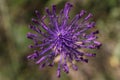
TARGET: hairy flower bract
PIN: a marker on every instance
(59, 35)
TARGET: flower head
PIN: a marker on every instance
(63, 37)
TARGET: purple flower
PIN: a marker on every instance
(57, 35)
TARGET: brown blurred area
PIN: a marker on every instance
(15, 16)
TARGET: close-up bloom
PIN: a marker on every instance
(60, 35)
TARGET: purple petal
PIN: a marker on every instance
(41, 60)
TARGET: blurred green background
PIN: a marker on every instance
(15, 16)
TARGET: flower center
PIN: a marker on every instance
(59, 34)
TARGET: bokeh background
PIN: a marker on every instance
(15, 16)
